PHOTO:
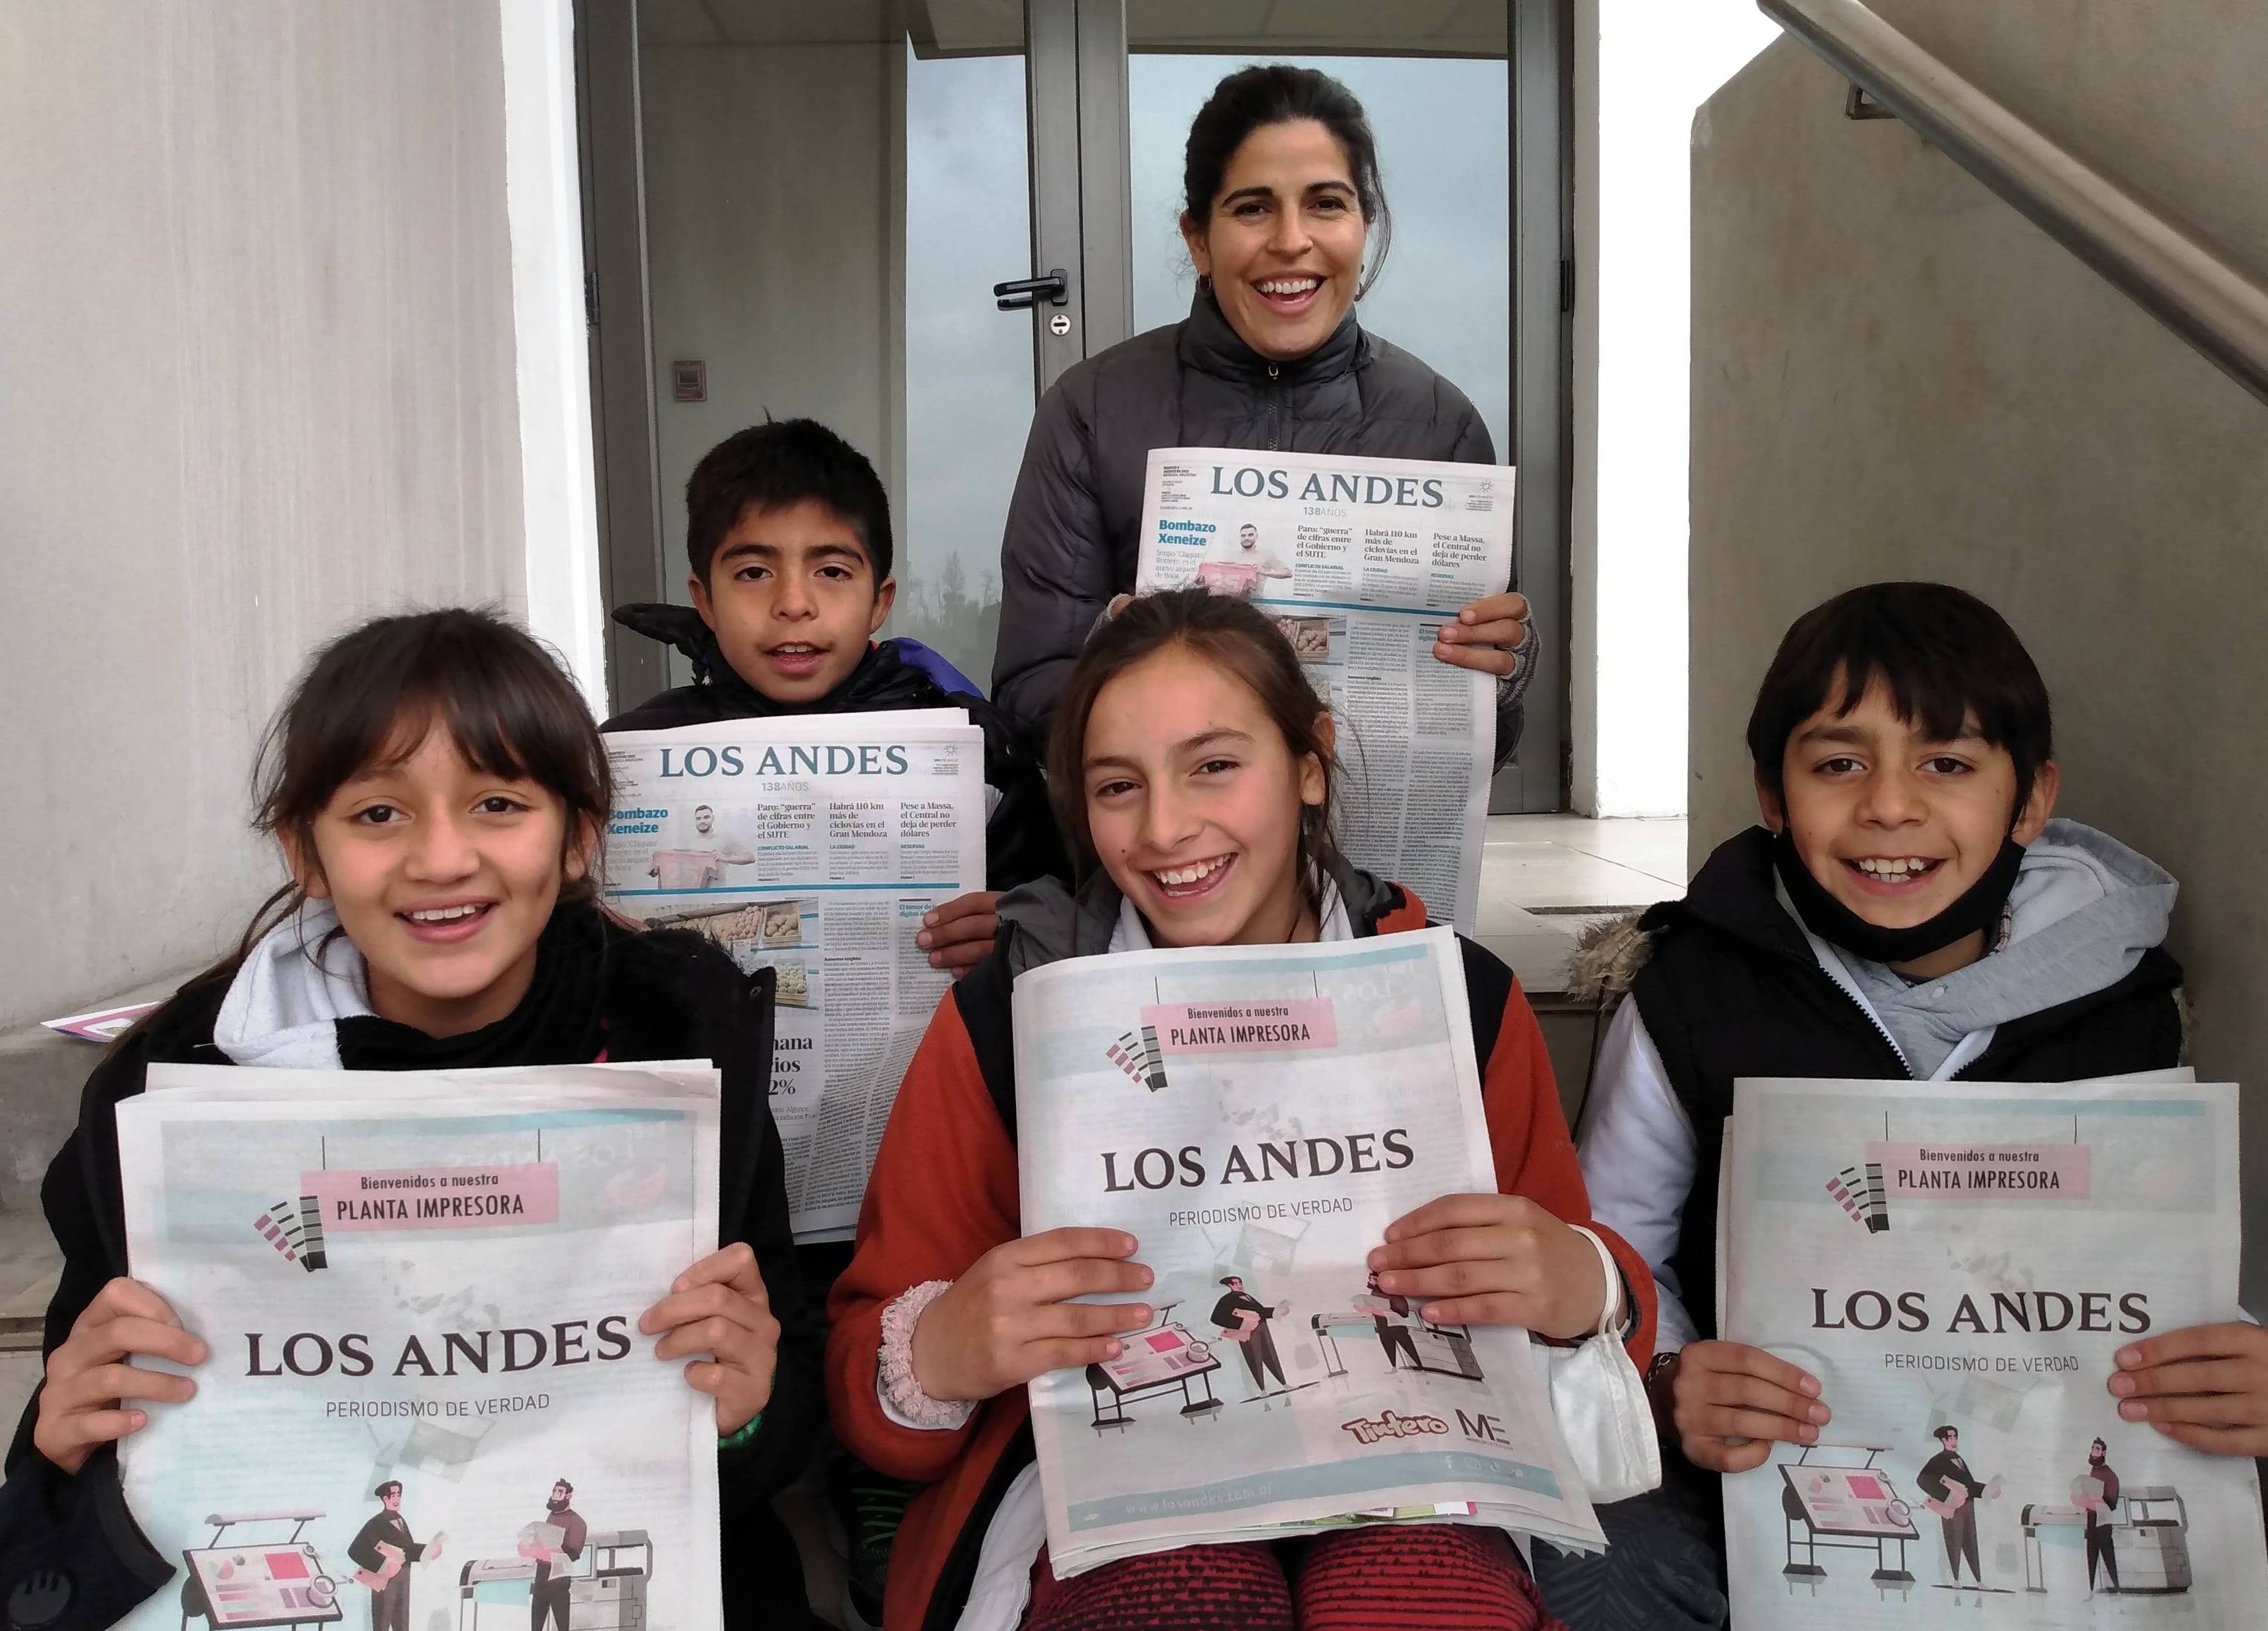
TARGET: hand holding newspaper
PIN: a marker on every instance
(1360, 562)
(1959, 1265)
(421, 1291)
(1254, 1117)
(812, 845)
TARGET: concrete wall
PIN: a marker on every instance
(255, 308)
(1895, 376)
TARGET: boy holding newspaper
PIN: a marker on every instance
(1907, 910)
(788, 535)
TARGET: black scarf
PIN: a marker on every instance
(881, 680)
(560, 1020)
(1979, 907)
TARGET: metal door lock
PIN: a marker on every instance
(1059, 325)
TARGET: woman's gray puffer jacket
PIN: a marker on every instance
(1073, 525)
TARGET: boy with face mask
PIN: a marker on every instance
(1908, 909)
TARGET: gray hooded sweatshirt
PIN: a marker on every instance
(2083, 909)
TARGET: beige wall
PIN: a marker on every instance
(256, 314)
(1895, 376)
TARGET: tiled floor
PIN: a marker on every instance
(1546, 878)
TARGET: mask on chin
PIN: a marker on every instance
(1979, 907)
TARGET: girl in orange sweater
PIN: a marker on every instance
(1193, 771)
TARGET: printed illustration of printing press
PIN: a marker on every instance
(1161, 1359)
(235, 1587)
(607, 1590)
(1441, 1350)
(1853, 1508)
(2149, 1541)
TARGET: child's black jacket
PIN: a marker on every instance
(1730, 988)
(653, 995)
(1020, 840)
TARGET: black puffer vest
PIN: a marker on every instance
(1730, 989)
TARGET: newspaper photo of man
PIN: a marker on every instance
(1243, 1320)
(1948, 1490)
(382, 1551)
(557, 1538)
(2097, 1491)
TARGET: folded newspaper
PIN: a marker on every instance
(1958, 1265)
(1255, 1116)
(426, 1389)
(1360, 562)
(811, 846)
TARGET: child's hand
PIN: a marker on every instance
(958, 935)
(1730, 1402)
(2206, 1387)
(718, 1307)
(1486, 634)
(88, 1381)
(1008, 1319)
(1495, 1260)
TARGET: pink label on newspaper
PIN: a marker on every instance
(1983, 1171)
(1279, 1025)
(435, 1197)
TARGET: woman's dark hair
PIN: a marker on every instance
(1277, 93)
(1951, 663)
(1234, 638)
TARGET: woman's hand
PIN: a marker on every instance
(89, 1380)
(2205, 1386)
(1486, 634)
(1493, 1260)
(1729, 1403)
(1009, 1319)
(719, 1308)
(958, 935)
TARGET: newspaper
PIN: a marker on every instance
(1972, 1257)
(1360, 561)
(1255, 1116)
(811, 846)
(426, 1389)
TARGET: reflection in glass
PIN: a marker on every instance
(968, 365)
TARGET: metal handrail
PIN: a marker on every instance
(2186, 285)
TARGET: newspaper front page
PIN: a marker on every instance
(1360, 562)
(1958, 1265)
(1255, 1117)
(813, 846)
(426, 1394)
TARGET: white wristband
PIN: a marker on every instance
(1610, 1310)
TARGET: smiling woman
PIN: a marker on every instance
(1285, 220)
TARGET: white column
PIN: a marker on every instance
(542, 179)
(1642, 67)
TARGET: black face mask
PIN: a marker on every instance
(1979, 908)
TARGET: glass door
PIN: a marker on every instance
(799, 208)
(810, 207)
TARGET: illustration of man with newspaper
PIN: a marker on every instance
(1948, 1490)
(555, 1538)
(1393, 1333)
(2096, 1493)
(382, 1551)
(1243, 1319)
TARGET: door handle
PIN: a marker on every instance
(1022, 293)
